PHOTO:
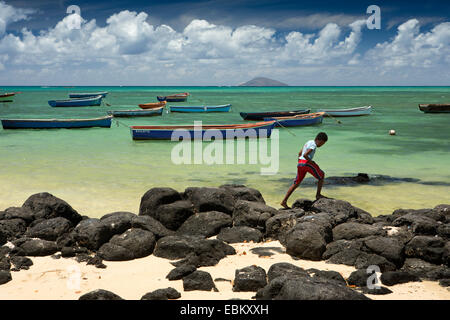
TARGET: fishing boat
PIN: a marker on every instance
(179, 97)
(230, 131)
(351, 112)
(220, 108)
(84, 102)
(435, 108)
(152, 105)
(137, 113)
(298, 120)
(56, 123)
(7, 97)
(262, 115)
(78, 95)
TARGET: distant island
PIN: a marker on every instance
(263, 82)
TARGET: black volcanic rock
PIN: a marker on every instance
(391, 278)
(100, 294)
(132, 244)
(5, 276)
(428, 248)
(118, 222)
(195, 250)
(251, 278)
(198, 280)
(49, 229)
(46, 206)
(162, 294)
(210, 199)
(38, 247)
(252, 214)
(241, 192)
(13, 228)
(306, 241)
(92, 233)
(240, 234)
(173, 215)
(205, 224)
(156, 197)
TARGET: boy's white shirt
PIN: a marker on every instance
(310, 145)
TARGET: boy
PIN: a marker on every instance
(305, 164)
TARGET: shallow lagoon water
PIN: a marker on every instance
(99, 170)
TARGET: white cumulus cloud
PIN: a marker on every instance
(128, 49)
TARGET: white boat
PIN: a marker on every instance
(351, 112)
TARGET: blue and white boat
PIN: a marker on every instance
(56, 123)
(82, 102)
(78, 95)
(298, 120)
(206, 132)
(137, 113)
(220, 108)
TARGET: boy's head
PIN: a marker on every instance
(321, 138)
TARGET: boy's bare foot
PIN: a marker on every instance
(321, 196)
(284, 205)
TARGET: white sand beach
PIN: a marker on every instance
(57, 279)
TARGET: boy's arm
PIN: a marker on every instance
(306, 155)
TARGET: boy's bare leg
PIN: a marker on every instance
(319, 189)
(288, 194)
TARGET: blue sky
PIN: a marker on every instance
(223, 42)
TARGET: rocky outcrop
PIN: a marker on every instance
(162, 294)
(199, 280)
(100, 294)
(407, 245)
(251, 278)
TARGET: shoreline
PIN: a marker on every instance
(230, 239)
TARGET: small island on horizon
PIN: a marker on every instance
(263, 82)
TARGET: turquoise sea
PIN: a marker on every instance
(100, 170)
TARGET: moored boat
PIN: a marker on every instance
(56, 123)
(262, 115)
(220, 108)
(298, 120)
(152, 105)
(350, 112)
(83, 102)
(137, 113)
(7, 97)
(207, 132)
(179, 97)
(435, 108)
(77, 95)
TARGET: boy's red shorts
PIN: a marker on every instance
(303, 167)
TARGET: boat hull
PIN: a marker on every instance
(87, 95)
(8, 97)
(137, 113)
(96, 101)
(56, 123)
(297, 121)
(261, 115)
(222, 108)
(261, 130)
(152, 105)
(434, 108)
(172, 99)
(353, 112)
